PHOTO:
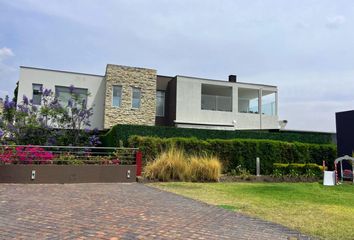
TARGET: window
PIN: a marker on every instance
(117, 96)
(160, 103)
(248, 100)
(37, 93)
(136, 95)
(216, 98)
(64, 95)
(268, 103)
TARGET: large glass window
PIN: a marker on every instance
(268, 103)
(117, 96)
(216, 98)
(136, 95)
(37, 93)
(64, 94)
(248, 100)
(160, 103)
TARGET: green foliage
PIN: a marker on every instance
(240, 171)
(296, 170)
(27, 123)
(235, 152)
(69, 159)
(123, 132)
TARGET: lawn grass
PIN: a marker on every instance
(325, 212)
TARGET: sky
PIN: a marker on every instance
(305, 47)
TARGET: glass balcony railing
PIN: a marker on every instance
(216, 103)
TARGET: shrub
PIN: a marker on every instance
(174, 164)
(240, 171)
(169, 165)
(25, 155)
(123, 132)
(53, 123)
(235, 152)
(204, 168)
(297, 170)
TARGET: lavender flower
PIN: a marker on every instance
(70, 103)
(94, 140)
(2, 133)
(71, 89)
(25, 100)
(47, 92)
(9, 104)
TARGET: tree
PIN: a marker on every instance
(52, 123)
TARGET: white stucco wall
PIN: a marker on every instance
(51, 78)
(189, 112)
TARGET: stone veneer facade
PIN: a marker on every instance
(128, 77)
(1, 105)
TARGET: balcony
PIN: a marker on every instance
(216, 103)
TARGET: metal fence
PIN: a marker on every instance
(34, 154)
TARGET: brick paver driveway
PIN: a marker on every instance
(120, 211)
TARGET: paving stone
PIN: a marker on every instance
(121, 211)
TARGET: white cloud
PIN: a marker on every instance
(5, 53)
(335, 21)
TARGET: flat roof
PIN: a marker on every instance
(96, 75)
(218, 80)
(61, 71)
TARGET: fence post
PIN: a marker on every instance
(258, 167)
(138, 158)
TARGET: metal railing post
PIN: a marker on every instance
(139, 156)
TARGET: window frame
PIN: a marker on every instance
(121, 93)
(75, 88)
(40, 92)
(132, 99)
(164, 103)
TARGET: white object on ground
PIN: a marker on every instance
(329, 178)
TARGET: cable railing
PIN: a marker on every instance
(65, 155)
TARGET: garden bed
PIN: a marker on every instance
(52, 173)
(252, 178)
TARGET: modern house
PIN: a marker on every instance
(131, 95)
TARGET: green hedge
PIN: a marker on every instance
(242, 152)
(296, 170)
(123, 132)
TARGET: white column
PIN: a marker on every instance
(260, 107)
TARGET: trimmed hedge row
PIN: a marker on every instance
(235, 152)
(296, 170)
(123, 132)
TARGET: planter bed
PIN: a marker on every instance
(52, 173)
(252, 178)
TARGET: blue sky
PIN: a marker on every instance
(304, 47)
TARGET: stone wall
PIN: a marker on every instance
(1, 105)
(129, 77)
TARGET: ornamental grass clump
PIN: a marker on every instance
(175, 165)
(204, 168)
(169, 165)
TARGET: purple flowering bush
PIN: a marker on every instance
(54, 122)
